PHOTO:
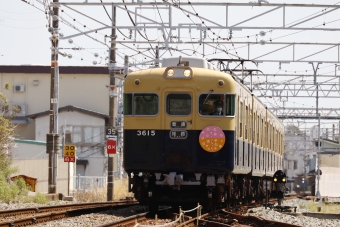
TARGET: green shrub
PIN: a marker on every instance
(5, 190)
(12, 191)
(40, 198)
(21, 184)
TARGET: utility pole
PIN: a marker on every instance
(157, 57)
(112, 64)
(319, 134)
(52, 138)
(318, 195)
(305, 161)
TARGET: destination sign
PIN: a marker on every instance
(178, 134)
(178, 124)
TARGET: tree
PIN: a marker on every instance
(8, 190)
(6, 137)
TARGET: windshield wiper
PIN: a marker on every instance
(208, 96)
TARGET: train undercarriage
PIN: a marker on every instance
(210, 190)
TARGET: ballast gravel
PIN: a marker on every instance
(301, 220)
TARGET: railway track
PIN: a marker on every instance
(215, 219)
(223, 218)
(193, 217)
(226, 217)
(30, 216)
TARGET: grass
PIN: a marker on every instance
(325, 208)
(120, 191)
(18, 192)
(40, 198)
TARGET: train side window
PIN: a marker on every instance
(178, 104)
(140, 104)
(240, 117)
(230, 105)
(127, 104)
(246, 123)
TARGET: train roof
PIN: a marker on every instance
(193, 62)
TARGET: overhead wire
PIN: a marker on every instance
(195, 50)
(134, 24)
(72, 26)
(164, 29)
(113, 22)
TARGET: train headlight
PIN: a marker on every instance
(150, 193)
(187, 73)
(179, 72)
(171, 72)
(283, 179)
(275, 179)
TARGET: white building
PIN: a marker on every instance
(83, 117)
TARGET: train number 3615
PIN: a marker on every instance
(146, 133)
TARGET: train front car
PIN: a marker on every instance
(179, 132)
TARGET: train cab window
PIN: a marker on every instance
(209, 104)
(141, 104)
(178, 104)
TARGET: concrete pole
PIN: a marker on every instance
(52, 138)
(110, 184)
(318, 195)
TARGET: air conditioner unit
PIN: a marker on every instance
(18, 110)
(19, 88)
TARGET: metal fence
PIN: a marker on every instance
(88, 182)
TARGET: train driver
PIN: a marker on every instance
(218, 108)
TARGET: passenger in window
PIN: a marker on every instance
(218, 108)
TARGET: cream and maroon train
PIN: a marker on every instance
(177, 150)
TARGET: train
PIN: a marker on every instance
(195, 134)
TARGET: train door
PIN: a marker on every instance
(178, 120)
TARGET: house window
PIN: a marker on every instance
(295, 164)
(292, 165)
(76, 134)
(92, 135)
(68, 139)
(83, 134)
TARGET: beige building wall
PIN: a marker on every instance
(330, 160)
(32, 160)
(330, 182)
(83, 90)
(28, 168)
(330, 167)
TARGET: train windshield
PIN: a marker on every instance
(141, 104)
(178, 104)
(217, 104)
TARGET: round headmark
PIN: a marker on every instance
(212, 139)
